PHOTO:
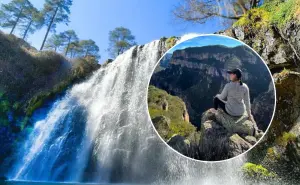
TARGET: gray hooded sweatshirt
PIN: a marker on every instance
(236, 98)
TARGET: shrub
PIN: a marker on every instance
(275, 12)
(176, 107)
(256, 19)
(282, 12)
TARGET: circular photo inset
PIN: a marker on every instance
(211, 98)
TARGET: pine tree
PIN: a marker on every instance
(34, 20)
(55, 11)
(55, 42)
(12, 13)
(120, 39)
(69, 37)
(89, 48)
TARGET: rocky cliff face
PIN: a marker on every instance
(197, 74)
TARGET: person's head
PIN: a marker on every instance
(235, 75)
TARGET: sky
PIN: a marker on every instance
(206, 41)
(148, 20)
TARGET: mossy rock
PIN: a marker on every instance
(168, 121)
(256, 172)
(285, 139)
(171, 41)
(254, 20)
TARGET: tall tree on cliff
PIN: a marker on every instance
(120, 39)
(55, 42)
(70, 37)
(89, 48)
(55, 11)
(200, 11)
(12, 13)
(33, 21)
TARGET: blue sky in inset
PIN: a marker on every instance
(207, 40)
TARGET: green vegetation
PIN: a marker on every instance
(257, 172)
(15, 12)
(174, 112)
(34, 78)
(256, 18)
(120, 39)
(171, 41)
(22, 15)
(55, 11)
(276, 12)
(285, 139)
(282, 11)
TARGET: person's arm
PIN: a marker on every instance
(223, 94)
(247, 101)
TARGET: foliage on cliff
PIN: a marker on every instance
(28, 78)
(257, 172)
(276, 13)
(168, 114)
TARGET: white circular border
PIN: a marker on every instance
(275, 99)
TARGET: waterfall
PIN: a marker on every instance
(100, 131)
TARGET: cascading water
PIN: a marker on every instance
(100, 131)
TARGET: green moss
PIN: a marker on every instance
(254, 19)
(285, 138)
(256, 172)
(275, 12)
(176, 107)
(282, 11)
(170, 42)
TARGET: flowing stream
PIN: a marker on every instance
(100, 131)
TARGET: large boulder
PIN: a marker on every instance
(224, 136)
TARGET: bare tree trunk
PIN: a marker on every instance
(27, 28)
(49, 27)
(18, 18)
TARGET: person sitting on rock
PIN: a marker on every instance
(237, 95)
